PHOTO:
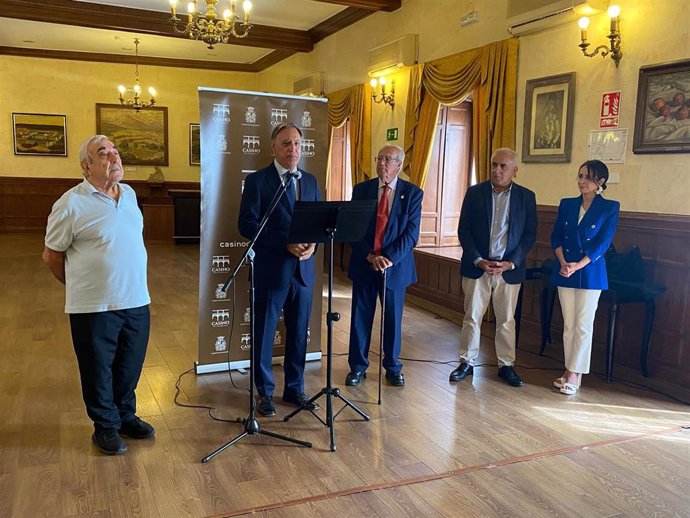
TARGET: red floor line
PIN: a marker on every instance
(446, 474)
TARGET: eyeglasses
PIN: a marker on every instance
(386, 159)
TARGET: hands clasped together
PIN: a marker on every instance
(494, 267)
(302, 251)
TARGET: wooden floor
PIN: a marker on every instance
(477, 448)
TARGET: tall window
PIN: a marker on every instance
(340, 175)
(448, 178)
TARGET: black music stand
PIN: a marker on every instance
(327, 222)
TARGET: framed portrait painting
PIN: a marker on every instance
(548, 126)
(662, 115)
(39, 134)
(141, 136)
(194, 144)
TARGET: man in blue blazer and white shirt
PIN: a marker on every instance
(284, 273)
(386, 247)
(498, 226)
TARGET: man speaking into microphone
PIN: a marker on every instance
(386, 247)
(284, 273)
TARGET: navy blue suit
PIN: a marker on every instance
(474, 230)
(401, 235)
(282, 281)
(591, 237)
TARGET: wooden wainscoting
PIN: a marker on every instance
(25, 203)
(663, 239)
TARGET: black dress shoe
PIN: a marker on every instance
(299, 399)
(463, 370)
(511, 377)
(266, 406)
(109, 442)
(137, 429)
(397, 380)
(355, 378)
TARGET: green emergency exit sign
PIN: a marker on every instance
(392, 134)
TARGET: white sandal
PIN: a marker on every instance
(569, 389)
(559, 382)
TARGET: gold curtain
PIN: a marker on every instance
(490, 73)
(354, 103)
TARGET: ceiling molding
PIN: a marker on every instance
(337, 22)
(127, 59)
(108, 17)
(372, 5)
(285, 42)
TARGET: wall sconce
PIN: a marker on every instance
(383, 97)
(614, 37)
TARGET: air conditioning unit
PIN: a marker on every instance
(529, 16)
(401, 52)
(309, 86)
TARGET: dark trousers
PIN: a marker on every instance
(110, 348)
(295, 302)
(364, 298)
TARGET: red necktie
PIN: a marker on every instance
(381, 220)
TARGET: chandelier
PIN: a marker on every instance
(135, 102)
(208, 27)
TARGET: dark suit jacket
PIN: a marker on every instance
(474, 230)
(591, 237)
(274, 265)
(402, 233)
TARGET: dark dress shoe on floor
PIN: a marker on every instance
(137, 429)
(109, 442)
(397, 380)
(459, 374)
(354, 378)
(299, 399)
(511, 377)
(266, 406)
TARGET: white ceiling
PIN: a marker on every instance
(292, 14)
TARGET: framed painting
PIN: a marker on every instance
(194, 144)
(141, 136)
(39, 134)
(662, 116)
(548, 127)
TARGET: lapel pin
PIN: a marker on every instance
(402, 196)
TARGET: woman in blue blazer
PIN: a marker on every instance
(582, 233)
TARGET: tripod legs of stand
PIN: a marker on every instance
(383, 323)
(330, 393)
(252, 427)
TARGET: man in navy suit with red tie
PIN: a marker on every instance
(386, 247)
(284, 273)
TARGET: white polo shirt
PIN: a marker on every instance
(105, 257)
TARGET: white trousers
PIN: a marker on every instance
(579, 307)
(478, 293)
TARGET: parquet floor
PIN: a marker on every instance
(477, 448)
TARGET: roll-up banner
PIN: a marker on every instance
(236, 141)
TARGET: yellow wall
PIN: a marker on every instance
(73, 88)
(648, 183)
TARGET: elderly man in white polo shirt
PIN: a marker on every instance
(94, 245)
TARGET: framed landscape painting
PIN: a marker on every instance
(39, 134)
(141, 136)
(194, 144)
(548, 126)
(662, 116)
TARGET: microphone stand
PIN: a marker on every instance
(251, 424)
